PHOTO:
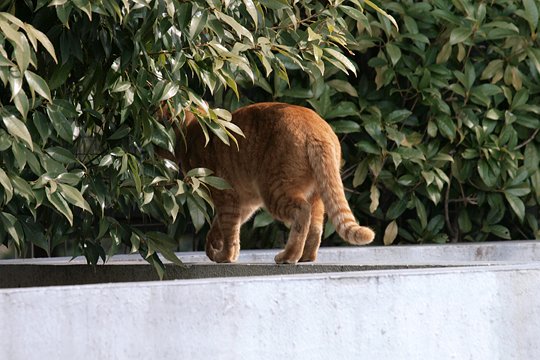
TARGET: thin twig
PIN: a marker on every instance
(528, 140)
(345, 174)
(351, 191)
(465, 200)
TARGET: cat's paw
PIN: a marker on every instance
(308, 258)
(222, 254)
(285, 258)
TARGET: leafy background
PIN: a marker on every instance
(438, 115)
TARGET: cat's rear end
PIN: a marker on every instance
(288, 162)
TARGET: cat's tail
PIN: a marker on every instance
(324, 159)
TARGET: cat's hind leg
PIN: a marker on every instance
(295, 210)
(313, 240)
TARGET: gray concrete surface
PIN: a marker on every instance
(22, 275)
(462, 253)
(488, 307)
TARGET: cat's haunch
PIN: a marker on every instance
(288, 163)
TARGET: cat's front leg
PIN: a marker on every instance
(222, 241)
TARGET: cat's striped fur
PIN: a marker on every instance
(288, 162)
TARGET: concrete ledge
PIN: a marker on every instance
(132, 268)
(488, 307)
(21, 275)
(464, 253)
(454, 313)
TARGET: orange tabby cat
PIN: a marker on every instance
(288, 162)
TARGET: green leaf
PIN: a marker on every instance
(446, 126)
(464, 221)
(516, 204)
(199, 172)
(354, 13)
(71, 178)
(197, 24)
(216, 182)
(520, 98)
(239, 29)
(262, 219)
(394, 52)
(444, 53)
(534, 56)
(397, 116)
(360, 174)
(12, 226)
(459, 35)
(120, 133)
(219, 131)
(61, 154)
(382, 12)
(42, 38)
(252, 11)
(38, 84)
(20, 155)
(165, 245)
(531, 14)
(486, 173)
(22, 53)
(6, 184)
(169, 90)
(374, 197)
(368, 147)
(343, 86)
(532, 157)
(74, 197)
(135, 240)
(397, 208)
(22, 104)
(59, 204)
(436, 224)
(18, 129)
(155, 261)
(343, 109)
(494, 70)
(170, 205)
(500, 231)
(342, 59)
(390, 233)
(421, 212)
(60, 123)
(196, 214)
(408, 180)
(345, 126)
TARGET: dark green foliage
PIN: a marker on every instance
(448, 107)
(439, 119)
(478, 98)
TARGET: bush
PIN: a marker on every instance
(440, 126)
(438, 120)
(448, 113)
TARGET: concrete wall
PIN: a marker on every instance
(487, 312)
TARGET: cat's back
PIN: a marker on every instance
(279, 116)
(276, 136)
(281, 130)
